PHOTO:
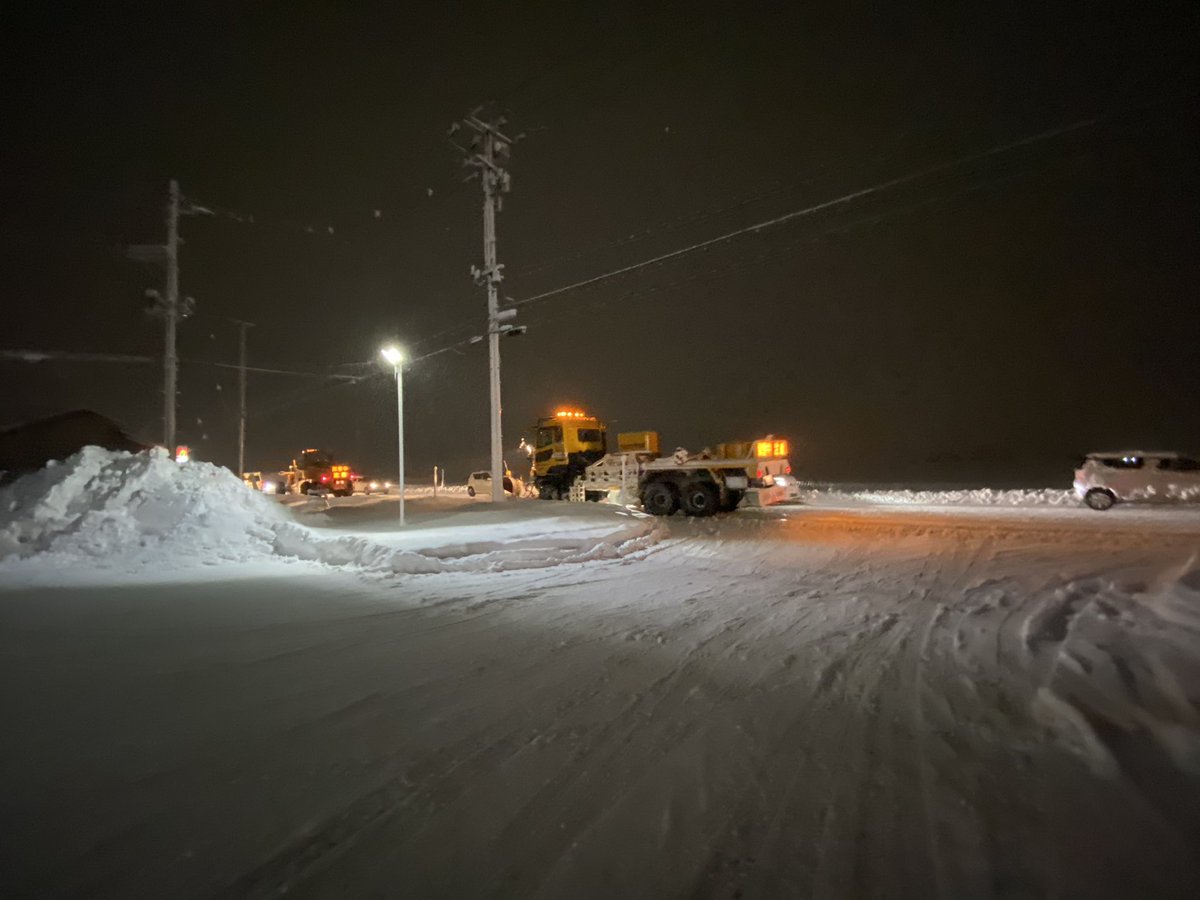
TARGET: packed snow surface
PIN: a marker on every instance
(839, 700)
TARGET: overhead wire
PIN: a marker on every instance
(812, 209)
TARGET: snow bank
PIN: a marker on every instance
(105, 506)
(975, 497)
(495, 556)
(144, 512)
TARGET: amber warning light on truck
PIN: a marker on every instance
(770, 448)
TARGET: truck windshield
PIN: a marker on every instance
(548, 436)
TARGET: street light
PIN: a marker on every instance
(395, 359)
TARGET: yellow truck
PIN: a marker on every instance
(567, 443)
(571, 461)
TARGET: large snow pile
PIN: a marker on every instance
(973, 497)
(144, 512)
(109, 506)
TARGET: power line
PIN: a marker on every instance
(815, 208)
(38, 356)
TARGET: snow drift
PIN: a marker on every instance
(114, 510)
(971, 497)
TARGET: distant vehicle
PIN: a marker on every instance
(369, 485)
(315, 472)
(481, 483)
(1105, 479)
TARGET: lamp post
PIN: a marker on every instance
(392, 354)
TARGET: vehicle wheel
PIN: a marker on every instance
(660, 499)
(304, 486)
(470, 491)
(593, 496)
(699, 499)
(1099, 499)
(731, 501)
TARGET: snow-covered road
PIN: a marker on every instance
(797, 701)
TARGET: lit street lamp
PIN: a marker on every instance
(395, 358)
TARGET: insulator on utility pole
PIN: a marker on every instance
(485, 153)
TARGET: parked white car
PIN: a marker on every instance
(481, 483)
(1105, 479)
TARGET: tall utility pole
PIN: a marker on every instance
(167, 303)
(171, 315)
(488, 150)
(242, 326)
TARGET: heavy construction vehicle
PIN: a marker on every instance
(566, 444)
(713, 480)
(315, 472)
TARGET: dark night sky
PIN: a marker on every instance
(987, 322)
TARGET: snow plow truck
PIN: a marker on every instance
(571, 461)
(316, 472)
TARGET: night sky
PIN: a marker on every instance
(987, 322)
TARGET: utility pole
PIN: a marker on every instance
(167, 303)
(171, 315)
(242, 326)
(486, 153)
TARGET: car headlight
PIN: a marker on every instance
(268, 487)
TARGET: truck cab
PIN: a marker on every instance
(566, 444)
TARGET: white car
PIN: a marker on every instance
(1105, 479)
(481, 483)
(370, 485)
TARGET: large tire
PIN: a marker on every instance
(1099, 499)
(304, 486)
(731, 501)
(700, 498)
(660, 499)
(470, 491)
